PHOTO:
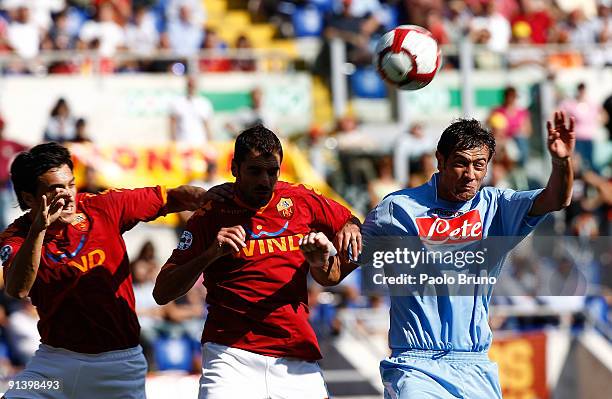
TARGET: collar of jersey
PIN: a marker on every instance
(258, 210)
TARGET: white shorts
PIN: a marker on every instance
(110, 375)
(229, 373)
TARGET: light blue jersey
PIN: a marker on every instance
(447, 323)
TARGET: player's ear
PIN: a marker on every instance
(440, 159)
(234, 168)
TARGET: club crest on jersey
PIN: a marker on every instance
(285, 207)
(81, 222)
(459, 229)
(185, 241)
(444, 213)
(5, 253)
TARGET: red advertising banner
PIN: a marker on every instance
(522, 365)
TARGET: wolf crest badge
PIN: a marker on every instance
(285, 208)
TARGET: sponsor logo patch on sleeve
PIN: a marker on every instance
(185, 241)
(5, 253)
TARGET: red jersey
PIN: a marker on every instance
(257, 299)
(83, 288)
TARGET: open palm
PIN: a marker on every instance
(561, 137)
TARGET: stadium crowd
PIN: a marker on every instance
(181, 28)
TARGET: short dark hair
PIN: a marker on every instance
(465, 134)
(256, 139)
(28, 166)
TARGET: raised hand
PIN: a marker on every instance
(561, 137)
(50, 210)
(229, 240)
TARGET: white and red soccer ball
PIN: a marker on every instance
(408, 57)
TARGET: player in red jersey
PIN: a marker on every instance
(67, 254)
(257, 341)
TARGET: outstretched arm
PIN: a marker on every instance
(190, 198)
(561, 142)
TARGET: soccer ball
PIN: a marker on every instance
(408, 57)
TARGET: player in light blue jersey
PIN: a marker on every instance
(439, 343)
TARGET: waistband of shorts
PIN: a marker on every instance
(446, 355)
(110, 355)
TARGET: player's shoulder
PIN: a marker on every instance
(102, 198)
(407, 197)
(18, 229)
(299, 189)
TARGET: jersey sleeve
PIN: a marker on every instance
(327, 214)
(514, 207)
(128, 207)
(9, 246)
(194, 239)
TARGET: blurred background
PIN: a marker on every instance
(149, 92)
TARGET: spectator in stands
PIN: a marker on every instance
(122, 9)
(90, 182)
(22, 333)
(582, 32)
(60, 33)
(409, 148)
(435, 24)
(8, 150)
(191, 116)
(245, 62)
(42, 10)
(355, 31)
(144, 269)
(525, 55)
(564, 58)
(322, 315)
(537, 16)
(495, 24)
(23, 34)
(422, 173)
(81, 135)
(587, 116)
(254, 114)
(185, 35)
(4, 42)
(104, 31)
(141, 34)
(215, 59)
(196, 10)
(384, 183)
(184, 315)
(61, 37)
(518, 122)
(61, 126)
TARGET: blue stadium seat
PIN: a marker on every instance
(307, 21)
(173, 353)
(366, 83)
